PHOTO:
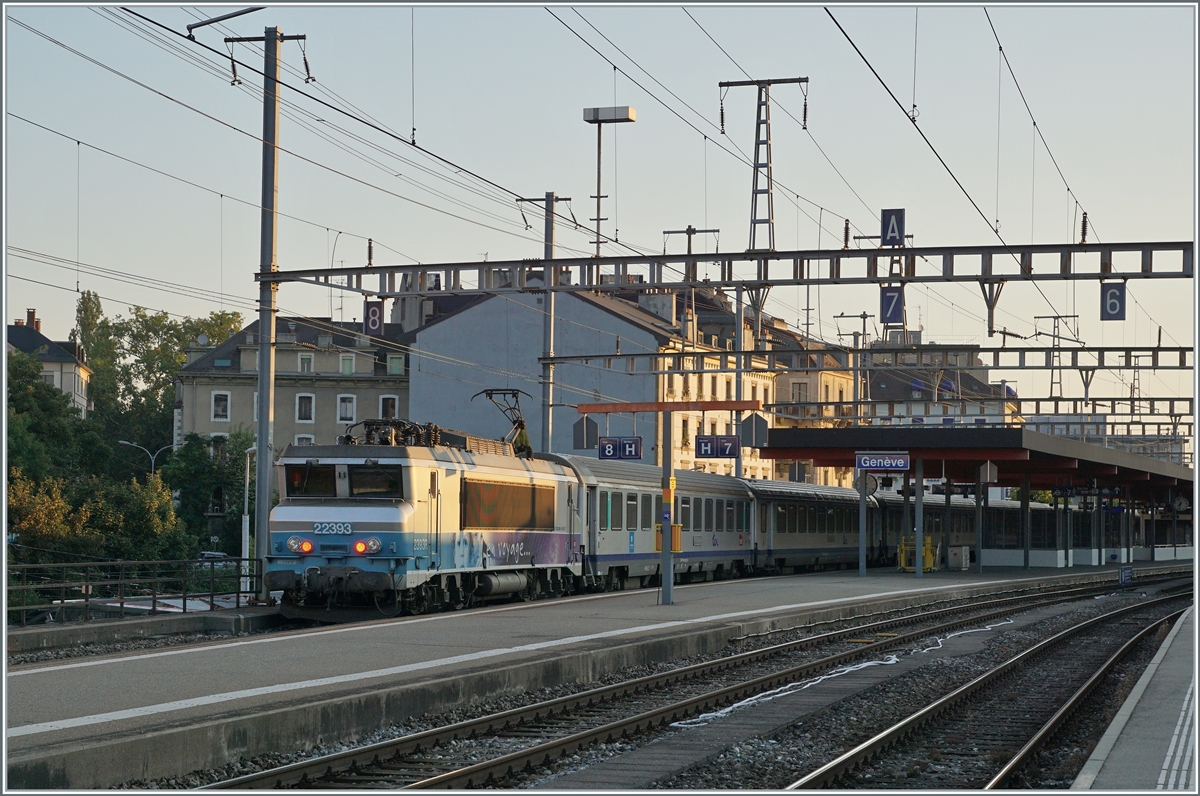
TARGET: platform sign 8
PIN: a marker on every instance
(373, 318)
(610, 448)
(891, 305)
(1112, 301)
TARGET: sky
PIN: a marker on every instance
(132, 165)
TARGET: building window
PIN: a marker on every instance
(728, 389)
(255, 407)
(220, 407)
(304, 407)
(304, 439)
(306, 363)
(347, 364)
(766, 395)
(346, 404)
(48, 378)
(395, 364)
(389, 406)
(753, 392)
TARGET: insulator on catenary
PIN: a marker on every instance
(370, 252)
(846, 236)
(804, 123)
(722, 117)
(1083, 229)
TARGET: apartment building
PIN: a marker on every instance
(64, 362)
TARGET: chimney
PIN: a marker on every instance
(31, 319)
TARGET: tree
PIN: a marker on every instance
(133, 521)
(1035, 495)
(209, 479)
(46, 435)
(134, 360)
(44, 521)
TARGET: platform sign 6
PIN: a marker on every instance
(373, 318)
(620, 447)
(1112, 301)
(891, 305)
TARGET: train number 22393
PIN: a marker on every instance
(333, 527)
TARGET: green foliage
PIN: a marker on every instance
(209, 479)
(134, 520)
(46, 435)
(68, 492)
(1035, 495)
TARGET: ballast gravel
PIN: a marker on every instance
(809, 744)
(775, 763)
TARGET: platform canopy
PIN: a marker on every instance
(1050, 462)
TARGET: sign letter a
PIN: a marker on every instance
(893, 234)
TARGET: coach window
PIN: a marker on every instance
(720, 516)
(604, 511)
(729, 513)
(780, 518)
(708, 514)
(684, 513)
(615, 506)
(739, 511)
(647, 514)
(658, 511)
(631, 510)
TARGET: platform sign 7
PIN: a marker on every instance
(891, 305)
(1112, 301)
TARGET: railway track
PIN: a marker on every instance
(981, 734)
(485, 750)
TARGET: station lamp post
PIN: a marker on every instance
(153, 456)
(601, 117)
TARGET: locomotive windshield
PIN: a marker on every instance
(310, 480)
(381, 480)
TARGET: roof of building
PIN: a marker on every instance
(307, 332)
(26, 338)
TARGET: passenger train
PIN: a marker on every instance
(409, 518)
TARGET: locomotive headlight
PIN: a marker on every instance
(374, 545)
(360, 547)
(293, 544)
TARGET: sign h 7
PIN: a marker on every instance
(894, 461)
(711, 446)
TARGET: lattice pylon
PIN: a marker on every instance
(762, 171)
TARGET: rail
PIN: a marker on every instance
(103, 590)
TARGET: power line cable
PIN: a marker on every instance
(379, 128)
(1030, 112)
(933, 149)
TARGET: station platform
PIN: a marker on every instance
(98, 722)
(1151, 743)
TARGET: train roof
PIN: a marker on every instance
(649, 477)
(781, 490)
